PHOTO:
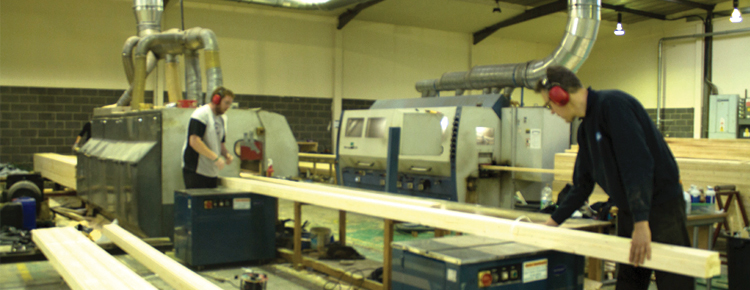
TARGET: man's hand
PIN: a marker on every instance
(640, 247)
(220, 163)
(229, 158)
(550, 222)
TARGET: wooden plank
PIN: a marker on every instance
(720, 149)
(433, 203)
(83, 264)
(56, 167)
(317, 157)
(321, 169)
(679, 260)
(518, 169)
(175, 274)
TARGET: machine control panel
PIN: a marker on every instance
(501, 275)
(217, 203)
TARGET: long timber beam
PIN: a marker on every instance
(674, 259)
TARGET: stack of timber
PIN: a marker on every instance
(701, 162)
(56, 167)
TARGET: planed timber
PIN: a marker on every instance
(433, 203)
(172, 272)
(679, 260)
(56, 167)
(720, 149)
(700, 172)
(518, 169)
(83, 264)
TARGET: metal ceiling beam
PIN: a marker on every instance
(693, 4)
(622, 8)
(347, 16)
(535, 12)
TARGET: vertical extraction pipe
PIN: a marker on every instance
(193, 76)
(127, 57)
(126, 96)
(196, 38)
(173, 78)
(148, 15)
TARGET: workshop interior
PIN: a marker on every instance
(368, 144)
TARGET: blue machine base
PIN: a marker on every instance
(216, 226)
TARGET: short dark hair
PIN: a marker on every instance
(559, 75)
(223, 92)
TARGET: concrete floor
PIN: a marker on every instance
(364, 233)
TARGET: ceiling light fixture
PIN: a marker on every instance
(497, 9)
(736, 14)
(619, 31)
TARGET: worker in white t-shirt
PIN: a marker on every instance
(204, 153)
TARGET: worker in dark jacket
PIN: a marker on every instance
(621, 149)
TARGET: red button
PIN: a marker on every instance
(486, 279)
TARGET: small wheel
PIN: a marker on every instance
(29, 189)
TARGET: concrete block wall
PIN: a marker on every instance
(37, 120)
(676, 122)
(309, 118)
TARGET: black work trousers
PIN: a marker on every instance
(195, 180)
(667, 223)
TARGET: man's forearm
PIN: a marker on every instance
(199, 146)
(224, 151)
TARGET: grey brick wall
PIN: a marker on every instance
(347, 104)
(309, 118)
(35, 120)
(676, 122)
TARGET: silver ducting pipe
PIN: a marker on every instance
(127, 57)
(305, 5)
(148, 15)
(196, 38)
(142, 50)
(193, 76)
(583, 25)
(126, 96)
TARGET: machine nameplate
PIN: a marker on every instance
(241, 203)
(451, 275)
(535, 270)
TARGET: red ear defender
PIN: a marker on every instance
(216, 99)
(558, 95)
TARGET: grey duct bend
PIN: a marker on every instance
(580, 34)
(151, 45)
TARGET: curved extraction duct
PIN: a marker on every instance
(580, 34)
(141, 53)
(197, 38)
(306, 4)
